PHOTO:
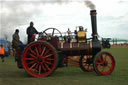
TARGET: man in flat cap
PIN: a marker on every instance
(16, 39)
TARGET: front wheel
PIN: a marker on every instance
(104, 63)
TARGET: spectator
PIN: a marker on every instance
(2, 53)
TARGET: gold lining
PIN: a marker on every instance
(90, 44)
(93, 14)
(94, 35)
(61, 44)
(70, 45)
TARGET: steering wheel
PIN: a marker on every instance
(53, 32)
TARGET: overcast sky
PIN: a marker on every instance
(112, 16)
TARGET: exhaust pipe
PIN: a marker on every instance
(94, 24)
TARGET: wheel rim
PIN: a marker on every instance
(53, 31)
(86, 64)
(39, 59)
(105, 63)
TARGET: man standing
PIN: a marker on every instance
(30, 31)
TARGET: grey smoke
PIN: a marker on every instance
(17, 15)
(89, 4)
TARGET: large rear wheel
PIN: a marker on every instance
(104, 63)
(40, 59)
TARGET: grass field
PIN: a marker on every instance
(11, 75)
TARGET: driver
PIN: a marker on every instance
(30, 31)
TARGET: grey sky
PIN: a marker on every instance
(112, 16)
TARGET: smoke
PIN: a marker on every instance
(89, 4)
(16, 13)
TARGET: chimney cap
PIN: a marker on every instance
(93, 11)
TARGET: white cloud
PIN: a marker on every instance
(111, 19)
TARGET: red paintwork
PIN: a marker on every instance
(101, 67)
(32, 55)
(40, 57)
(54, 42)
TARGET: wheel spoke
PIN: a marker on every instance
(47, 66)
(46, 52)
(32, 66)
(99, 66)
(48, 62)
(103, 69)
(102, 57)
(53, 32)
(43, 67)
(31, 62)
(48, 56)
(99, 62)
(31, 55)
(39, 69)
(49, 59)
(36, 67)
(105, 57)
(45, 33)
(43, 51)
(108, 60)
(109, 67)
(37, 51)
(109, 63)
(29, 59)
(40, 48)
(32, 51)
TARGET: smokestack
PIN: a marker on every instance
(94, 24)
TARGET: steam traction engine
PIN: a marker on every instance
(48, 52)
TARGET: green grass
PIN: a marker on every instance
(11, 75)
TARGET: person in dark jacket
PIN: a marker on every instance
(30, 31)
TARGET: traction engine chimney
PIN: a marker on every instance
(94, 24)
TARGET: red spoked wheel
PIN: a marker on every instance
(39, 59)
(104, 63)
(86, 63)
